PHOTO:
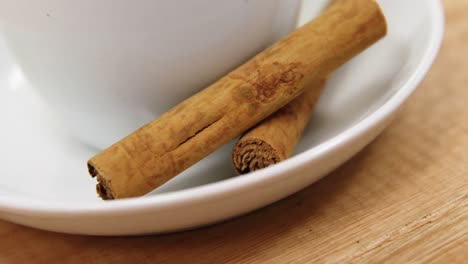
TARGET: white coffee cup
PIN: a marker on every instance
(110, 66)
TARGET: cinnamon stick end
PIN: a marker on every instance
(103, 188)
(253, 154)
(92, 170)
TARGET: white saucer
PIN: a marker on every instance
(44, 182)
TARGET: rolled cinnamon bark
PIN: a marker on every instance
(190, 131)
(275, 138)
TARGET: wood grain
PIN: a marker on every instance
(404, 199)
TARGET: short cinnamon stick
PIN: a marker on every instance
(190, 131)
(275, 138)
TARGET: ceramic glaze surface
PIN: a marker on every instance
(108, 67)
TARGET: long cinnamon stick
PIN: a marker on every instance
(160, 150)
(275, 138)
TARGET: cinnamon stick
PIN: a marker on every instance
(190, 131)
(275, 138)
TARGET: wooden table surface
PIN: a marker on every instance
(403, 198)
